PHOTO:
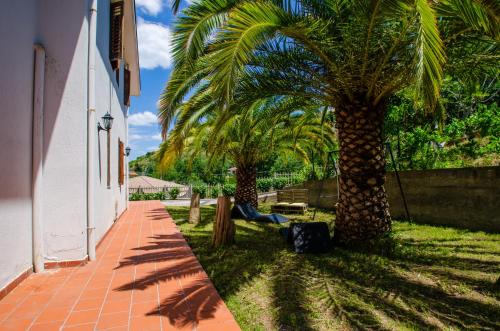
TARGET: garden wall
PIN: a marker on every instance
(466, 198)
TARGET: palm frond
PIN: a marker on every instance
(196, 26)
(430, 56)
(481, 15)
(249, 25)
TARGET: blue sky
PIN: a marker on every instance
(154, 31)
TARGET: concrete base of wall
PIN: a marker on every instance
(12, 285)
(464, 198)
(50, 265)
(109, 230)
(65, 264)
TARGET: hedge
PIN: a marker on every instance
(148, 196)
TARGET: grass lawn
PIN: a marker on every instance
(433, 278)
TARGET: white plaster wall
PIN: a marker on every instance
(110, 202)
(62, 27)
(17, 33)
(63, 30)
(65, 176)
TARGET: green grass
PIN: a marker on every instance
(432, 278)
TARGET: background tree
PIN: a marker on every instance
(465, 136)
(350, 55)
(247, 136)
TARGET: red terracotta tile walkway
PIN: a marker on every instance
(145, 278)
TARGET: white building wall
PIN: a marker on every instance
(17, 34)
(110, 202)
(62, 27)
(65, 215)
(63, 31)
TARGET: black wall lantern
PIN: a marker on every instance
(127, 151)
(107, 122)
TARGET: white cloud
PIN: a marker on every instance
(133, 137)
(150, 7)
(142, 119)
(154, 44)
(157, 137)
(144, 137)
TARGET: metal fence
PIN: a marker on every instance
(184, 191)
(288, 176)
(211, 191)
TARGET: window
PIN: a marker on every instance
(121, 163)
(126, 88)
(115, 34)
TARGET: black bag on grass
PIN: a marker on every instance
(311, 237)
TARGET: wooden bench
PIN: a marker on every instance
(291, 201)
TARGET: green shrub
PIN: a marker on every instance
(228, 190)
(174, 192)
(264, 184)
(297, 179)
(135, 197)
(201, 189)
(493, 146)
(149, 196)
(162, 195)
(279, 183)
(215, 192)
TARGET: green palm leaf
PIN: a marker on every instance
(430, 54)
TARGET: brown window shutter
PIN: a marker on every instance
(121, 163)
(115, 34)
(126, 88)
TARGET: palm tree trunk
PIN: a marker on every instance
(224, 228)
(362, 210)
(246, 185)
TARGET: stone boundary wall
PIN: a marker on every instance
(465, 198)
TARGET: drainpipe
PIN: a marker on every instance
(126, 162)
(91, 132)
(37, 159)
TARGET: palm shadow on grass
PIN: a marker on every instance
(370, 293)
(417, 284)
(255, 252)
(180, 215)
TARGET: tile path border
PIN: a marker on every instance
(145, 278)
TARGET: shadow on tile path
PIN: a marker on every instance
(187, 296)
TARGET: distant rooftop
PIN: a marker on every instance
(146, 181)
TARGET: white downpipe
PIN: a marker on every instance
(91, 132)
(37, 159)
(126, 162)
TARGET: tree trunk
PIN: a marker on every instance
(362, 210)
(246, 185)
(224, 228)
(194, 210)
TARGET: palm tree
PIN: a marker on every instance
(247, 136)
(350, 55)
